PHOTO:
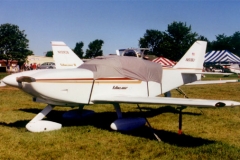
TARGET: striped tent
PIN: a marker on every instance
(224, 57)
(164, 61)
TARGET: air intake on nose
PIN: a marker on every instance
(25, 79)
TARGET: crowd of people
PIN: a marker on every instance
(24, 67)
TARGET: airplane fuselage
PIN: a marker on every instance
(78, 86)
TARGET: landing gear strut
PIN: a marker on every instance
(180, 119)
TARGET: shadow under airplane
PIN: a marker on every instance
(104, 119)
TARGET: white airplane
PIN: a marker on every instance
(114, 80)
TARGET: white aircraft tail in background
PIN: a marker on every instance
(64, 57)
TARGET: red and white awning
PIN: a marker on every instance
(164, 61)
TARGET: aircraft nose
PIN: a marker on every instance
(11, 80)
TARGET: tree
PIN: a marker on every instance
(78, 49)
(173, 43)
(222, 42)
(152, 40)
(49, 54)
(235, 42)
(13, 43)
(94, 49)
(177, 40)
(230, 43)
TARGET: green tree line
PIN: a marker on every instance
(176, 40)
(172, 43)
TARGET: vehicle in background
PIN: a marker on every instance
(47, 65)
(133, 52)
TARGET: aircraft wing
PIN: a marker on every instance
(212, 82)
(167, 101)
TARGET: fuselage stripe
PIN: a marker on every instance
(89, 80)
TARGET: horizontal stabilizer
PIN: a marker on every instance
(212, 82)
(215, 73)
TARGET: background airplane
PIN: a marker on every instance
(234, 68)
(64, 57)
(114, 80)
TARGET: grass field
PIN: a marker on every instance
(208, 133)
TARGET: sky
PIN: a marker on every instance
(119, 23)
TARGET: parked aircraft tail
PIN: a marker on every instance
(64, 57)
(194, 57)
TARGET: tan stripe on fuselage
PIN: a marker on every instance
(90, 80)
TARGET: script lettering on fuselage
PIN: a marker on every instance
(63, 52)
(190, 59)
(64, 64)
(117, 87)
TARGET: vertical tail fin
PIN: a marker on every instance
(194, 57)
(64, 57)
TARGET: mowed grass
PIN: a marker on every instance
(209, 133)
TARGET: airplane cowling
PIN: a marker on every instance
(63, 85)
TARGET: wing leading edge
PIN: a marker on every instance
(168, 101)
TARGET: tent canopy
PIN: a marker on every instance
(224, 57)
(164, 61)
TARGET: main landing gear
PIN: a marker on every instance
(39, 125)
(121, 124)
(127, 124)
